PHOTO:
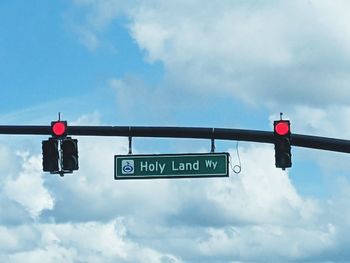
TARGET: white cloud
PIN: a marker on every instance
(272, 243)
(96, 19)
(249, 50)
(27, 188)
(88, 119)
(328, 121)
(8, 160)
(85, 242)
(261, 194)
(87, 37)
(138, 101)
(102, 13)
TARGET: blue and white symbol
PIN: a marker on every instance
(128, 167)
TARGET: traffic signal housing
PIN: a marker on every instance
(283, 156)
(50, 155)
(60, 153)
(70, 156)
(59, 129)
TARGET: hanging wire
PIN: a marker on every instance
(238, 167)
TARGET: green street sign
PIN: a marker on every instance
(171, 166)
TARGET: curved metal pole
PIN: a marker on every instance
(307, 141)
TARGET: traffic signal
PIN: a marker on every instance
(283, 156)
(69, 149)
(59, 129)
(50, 155)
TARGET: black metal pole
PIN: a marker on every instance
(307, 141)
(25, 129)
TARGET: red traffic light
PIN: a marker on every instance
(59, 128)
(282, 127)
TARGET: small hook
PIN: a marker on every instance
(238, 167)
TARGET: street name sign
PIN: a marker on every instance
(187, 165)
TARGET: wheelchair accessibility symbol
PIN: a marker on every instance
(128, 167)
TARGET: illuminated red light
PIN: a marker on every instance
(282, 128)
(59, 128)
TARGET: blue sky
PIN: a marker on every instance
(234, 64)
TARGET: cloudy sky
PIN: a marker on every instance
(233, 64)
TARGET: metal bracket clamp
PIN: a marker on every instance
(130, 142)
(212, 150)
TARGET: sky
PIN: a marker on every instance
(217, 64)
